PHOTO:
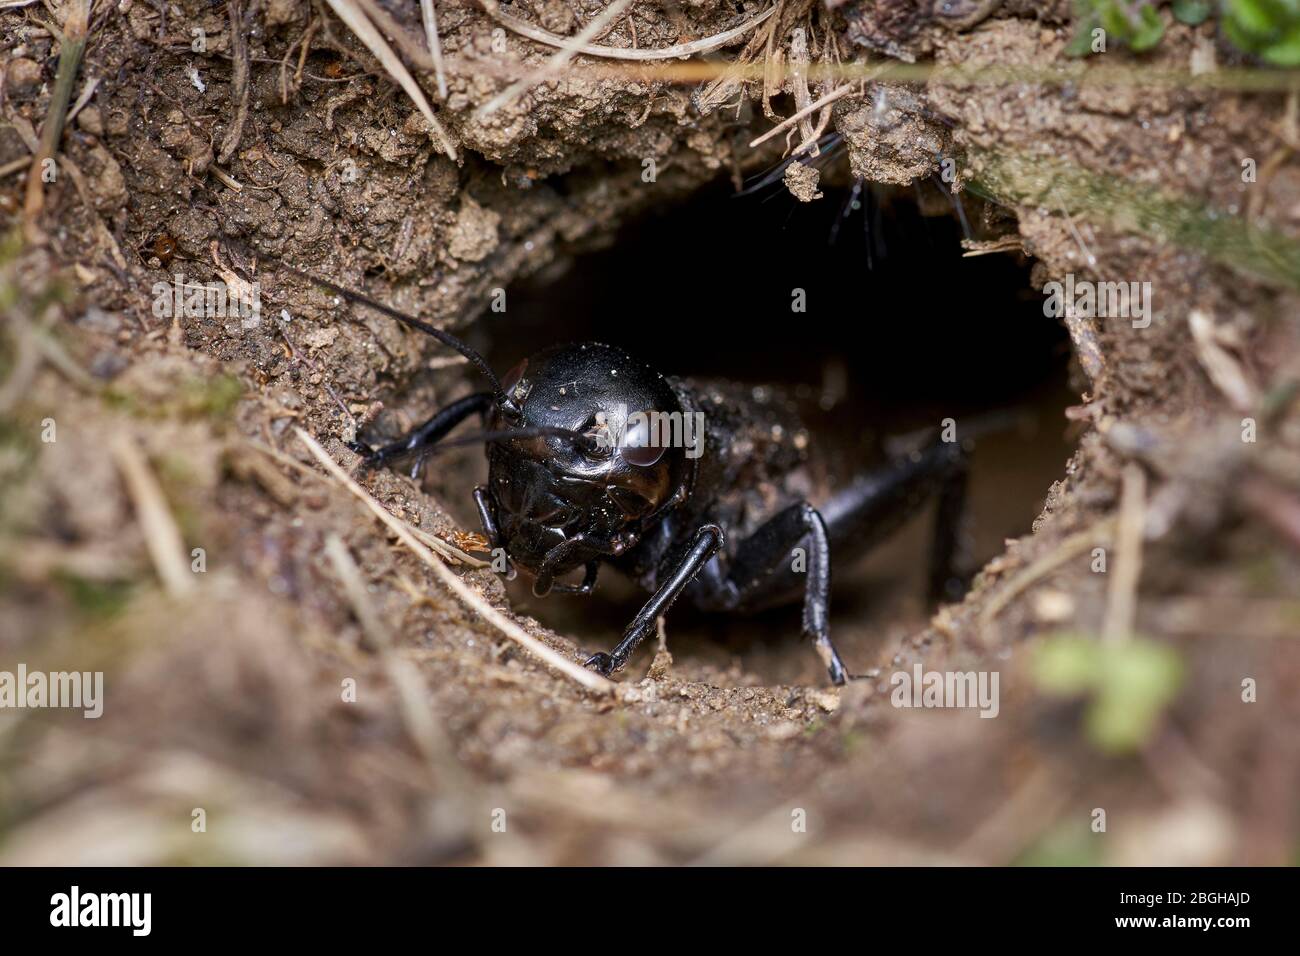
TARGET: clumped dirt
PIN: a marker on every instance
(262, 691)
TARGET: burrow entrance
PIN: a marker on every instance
(900, 331)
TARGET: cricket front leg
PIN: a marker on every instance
(704, 545)
(591, 571)
(487, 516)
(427, 435)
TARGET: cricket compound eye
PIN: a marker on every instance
(637, 447)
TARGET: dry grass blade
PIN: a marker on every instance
(1121, 606)
(1074, 545)
(589, 679)
(570, 48)
(407, 44)
(238, 82)
(87, 92)
(723, 88)
(71, 47)
(763, 841)
(32, 345)
(375, 632)
(694, 47)
(161, 535)
(24, 361)
(812, 107)
(18, 165)
(435, 543)
(1276, 506)
(350, 12)
(446, 549)
(1018, 822)
(799, 62)
(55, 354)
(1083, 334)
(412, 694)
(435, 44)
(1224, 370)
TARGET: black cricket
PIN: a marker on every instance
(724, 522)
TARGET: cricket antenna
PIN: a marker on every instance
(398, 451)
(511, 434)
(446, 338)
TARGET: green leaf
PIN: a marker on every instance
(1068, 843)
(1085, 21)
(1139, 25)
(1251, 17)
(1114, 20)
(1192, 12)
(1141, 668)
(1081, 43)
(1285, 52)
(1150, 31)
(1118, 726)
(1139, 677)
(1270, 29)
(1128, 684)
(1067, 664)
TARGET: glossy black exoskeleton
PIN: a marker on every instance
(695, 489)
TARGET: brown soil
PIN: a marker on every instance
(227, 691)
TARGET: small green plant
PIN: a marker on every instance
(1068, 843)
(192, 397)
(1192, 12)
(213, 398)
(1135, 24)
(1127, 684)
(95, 599)
(1270, 29)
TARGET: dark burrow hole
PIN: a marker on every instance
(901, 331)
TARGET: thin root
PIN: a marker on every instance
(703, 45)
(475, 602)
